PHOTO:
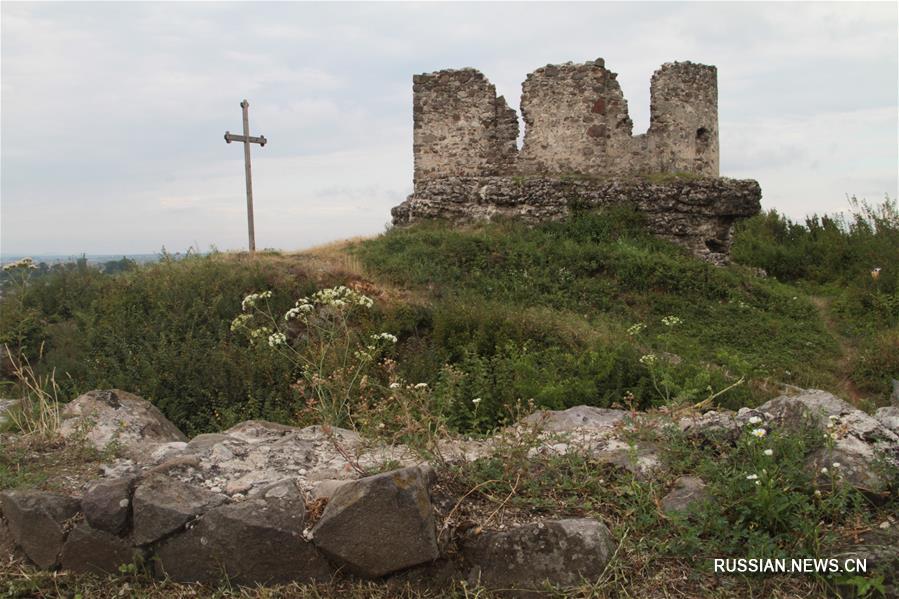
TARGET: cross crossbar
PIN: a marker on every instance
(247, 139)
(229, 137)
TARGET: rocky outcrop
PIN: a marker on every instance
(560, 552)
(698, 213)
(889, 418)
(403, 533)
(116, 417)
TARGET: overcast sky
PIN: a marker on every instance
(113, 113)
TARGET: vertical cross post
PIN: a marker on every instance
(247, 140)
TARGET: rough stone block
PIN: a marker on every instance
(107, 505)
(162, 505)
(36, 522)
(561, 552)
(380, 524)
(90, 550)
(258, 541)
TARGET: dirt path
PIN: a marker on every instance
(847, 351)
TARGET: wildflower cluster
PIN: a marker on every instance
(250, 301)
(340, 297)
(671, 321)
(636, 329)
(26, 263)
(648, 359)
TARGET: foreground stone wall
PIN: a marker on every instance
(265, 503)
(578, 147)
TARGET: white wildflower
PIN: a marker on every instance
(635, 329)
(395, 385)
(276, 339)
(240, 321)
(836, 465)
(421, 386)
(671, 321)
(22, 263)
(824, 470)
(384, 337)
(648, 359)
(758, 432)
(768, 452)
(476, 401)
(752, 477)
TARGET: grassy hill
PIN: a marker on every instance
(588, 311)
(430, 332)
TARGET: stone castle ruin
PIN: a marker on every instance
(579, 150)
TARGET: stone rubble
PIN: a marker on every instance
(238, 503)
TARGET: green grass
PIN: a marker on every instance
(501, 312)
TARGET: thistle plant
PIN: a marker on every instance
(318, 336)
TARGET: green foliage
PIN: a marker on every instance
(596, 274)
(852, 260)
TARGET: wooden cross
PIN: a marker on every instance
(247, 140)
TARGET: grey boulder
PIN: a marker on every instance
(117, 417)
(559, 552)
(107, 505)
(257, 541)
(90, 550)
(163, 505)
(578, 418)
(37, 523)
(380, 524)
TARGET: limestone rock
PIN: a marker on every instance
(380, 524)
(857, 465)
(107, 505)
(561, 552)
(640, 460)
(90, 550)
(6, 405)
(162, 505)
(258, 541)
(687, 492)
(859, 440)
(578, 418)
(36, 522)
(115, 416)
(821, 409)
(712, 425)
(889, 418)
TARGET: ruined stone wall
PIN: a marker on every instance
(576, 121)
(683, 130)
(698, 213)
(460, 126)
(578, 145)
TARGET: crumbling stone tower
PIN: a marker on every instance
(579, 148)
